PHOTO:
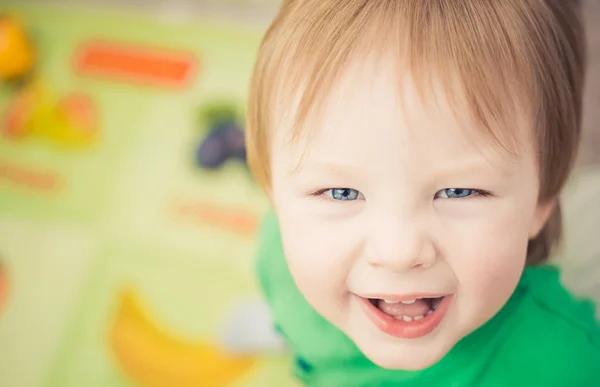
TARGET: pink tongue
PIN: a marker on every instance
(418, 308)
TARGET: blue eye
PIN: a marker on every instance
(458, 193)
(342, 193)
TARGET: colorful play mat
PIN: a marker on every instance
(127, 213)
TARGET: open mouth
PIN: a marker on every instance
(408, 310)
(407, 317)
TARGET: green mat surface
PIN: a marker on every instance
(136, 242)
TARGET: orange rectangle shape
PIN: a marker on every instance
(159, 67)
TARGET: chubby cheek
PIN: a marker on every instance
(317, 258)
(488, 263)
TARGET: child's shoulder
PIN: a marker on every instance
(552, 303)
(554, 335)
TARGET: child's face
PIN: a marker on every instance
(402, 204)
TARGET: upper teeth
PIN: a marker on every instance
(407, 302)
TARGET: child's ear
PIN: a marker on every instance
(543, 212)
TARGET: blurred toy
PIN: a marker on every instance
(76, 121)
(225, 140)
(16, 125)
(249, 330)
(16, 51)
(151, 356)
(35, 111)
(71, 120)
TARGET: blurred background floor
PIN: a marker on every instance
(127, 213)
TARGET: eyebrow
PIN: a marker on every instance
(325, 167)
(467, 167)
(473, 167)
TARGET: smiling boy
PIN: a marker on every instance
(414, 152)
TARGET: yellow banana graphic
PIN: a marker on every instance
(153, 357)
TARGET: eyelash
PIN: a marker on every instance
(319, 194)
(477, 194)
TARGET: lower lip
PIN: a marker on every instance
(402, 329)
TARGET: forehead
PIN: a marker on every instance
(379, 112)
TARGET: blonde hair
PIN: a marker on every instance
(498, 56)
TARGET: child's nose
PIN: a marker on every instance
(400, 243)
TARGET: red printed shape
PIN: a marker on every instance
(158, 67)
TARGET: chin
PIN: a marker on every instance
(404, 361)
